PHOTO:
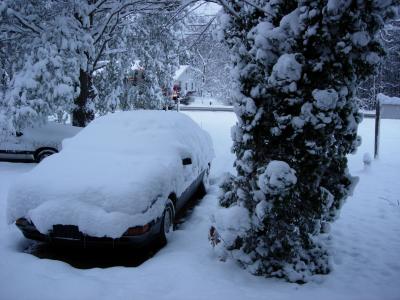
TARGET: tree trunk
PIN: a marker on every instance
(83, 112)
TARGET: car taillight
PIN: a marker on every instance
(137, 230)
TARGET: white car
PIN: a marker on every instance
(34, 144)
(119, 181)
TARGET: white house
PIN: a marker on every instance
(185, 81)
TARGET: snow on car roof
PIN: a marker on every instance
(50, 134)
(108, 177)
(52, 131)
(137, 131)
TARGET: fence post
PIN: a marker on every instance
(377, 125)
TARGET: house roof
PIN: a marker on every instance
(136, 65)
(182, 69)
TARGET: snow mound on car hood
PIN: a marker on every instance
(116, 173)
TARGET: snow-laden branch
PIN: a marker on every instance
(24, 22)
(174, 18)
(96, 6)
(99, 54)
(128, 8)
(209, 23)
(251, 3)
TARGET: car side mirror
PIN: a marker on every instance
(187, 161)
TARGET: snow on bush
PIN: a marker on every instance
(286, 71)
(325, 99)
(229, 230)
(277, 177)
(116, 173)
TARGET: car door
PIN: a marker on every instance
(190, 177)
(13, 148)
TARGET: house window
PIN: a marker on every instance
(186, 86)
(192, 86)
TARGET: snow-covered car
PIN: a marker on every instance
(120, 181)
(34, 144)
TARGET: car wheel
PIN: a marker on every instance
(167, 223)
(205, 183)
(43, 154)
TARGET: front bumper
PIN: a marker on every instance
(79, 239)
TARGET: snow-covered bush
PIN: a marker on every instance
(298, 64)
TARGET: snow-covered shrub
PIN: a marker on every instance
(298, 64)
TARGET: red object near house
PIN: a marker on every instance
(176, 91)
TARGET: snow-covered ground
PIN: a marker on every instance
(366, 243)
(206, 102)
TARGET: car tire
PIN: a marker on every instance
(42, 154)
(167, 223)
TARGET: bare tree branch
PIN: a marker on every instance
(225, 4)
(203, 32)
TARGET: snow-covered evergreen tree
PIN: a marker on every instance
(4, 76)
(109, 83)
(154, 50)
(45, 66)
(146, 93)
(298, 63)
(75, 35)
